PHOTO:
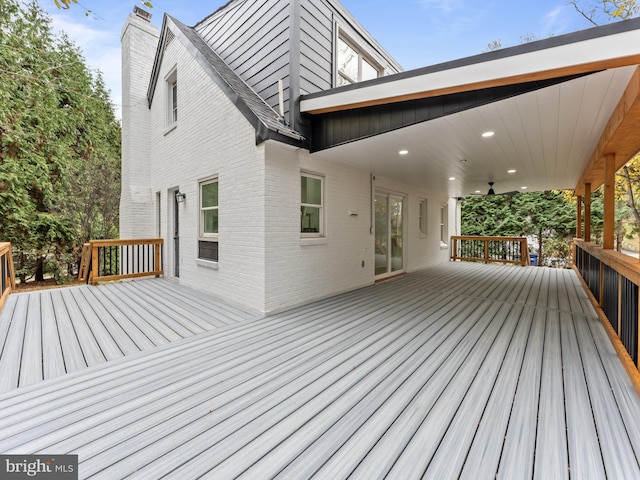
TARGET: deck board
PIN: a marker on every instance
(30, 365)
(483, 457)
(519, 443)
(584, 450)
(12, 351)
(551, 459)
(460, 371)
(51, 347)
(45, 334)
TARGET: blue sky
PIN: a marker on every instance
(417, 33)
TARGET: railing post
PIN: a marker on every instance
(608, 234)
(95, 268)
(12, 273)
(486, 251)
(156, 251)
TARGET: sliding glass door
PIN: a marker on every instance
(389, 248)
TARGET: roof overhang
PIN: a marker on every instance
(547, 135)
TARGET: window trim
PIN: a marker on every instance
(171, 80)
(444, 229)
(423, 217)
(202, 236)
(321, 206)
(342, 35)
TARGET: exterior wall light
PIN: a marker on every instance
(180, 197)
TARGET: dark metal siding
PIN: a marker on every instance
(253, 39)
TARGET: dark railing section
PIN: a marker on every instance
(119, 259)
(610, 280)
(613, 279)
(7, 274)
(594, 277)
(490, 249)
(629, 318)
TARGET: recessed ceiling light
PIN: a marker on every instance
(452, 178)
(523, 188)
(477, 191)
(403, 152)
(488, 134)
(511, 171)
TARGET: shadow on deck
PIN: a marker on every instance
(460, 371)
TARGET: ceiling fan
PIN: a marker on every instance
(493, 192)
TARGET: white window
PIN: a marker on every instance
(208, 241)
(353, 65)
(172, 98)
(422, 216)
(311, 205)
(444, 231)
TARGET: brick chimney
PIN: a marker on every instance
(139, 42)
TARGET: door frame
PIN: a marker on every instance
(173, 231)
(404, 198)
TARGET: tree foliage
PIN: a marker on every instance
(66, 4)
(604, 11)
(548, 216)
(59, 145)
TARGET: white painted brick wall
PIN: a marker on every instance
(301, 273)
(264, 265)
(211, 138)
(139, 41)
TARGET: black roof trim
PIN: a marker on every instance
(551, 42)
(260, 115)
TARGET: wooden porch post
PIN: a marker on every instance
(578, 216)
(587, 212)
(608, 235)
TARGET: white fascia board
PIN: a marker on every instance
(596, 51)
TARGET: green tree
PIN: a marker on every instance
(57, 129)
(547, 216)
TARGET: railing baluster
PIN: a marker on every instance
(490, 249)
(117, 259)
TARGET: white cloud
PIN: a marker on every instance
(445, 6)
(558, 21)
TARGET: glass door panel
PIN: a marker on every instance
(395, 222)
(389, 248)
(381, 234)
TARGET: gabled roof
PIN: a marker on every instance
(269, 125)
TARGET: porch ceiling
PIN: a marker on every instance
(547, 136)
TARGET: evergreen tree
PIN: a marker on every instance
(59, 144)
(547, 216)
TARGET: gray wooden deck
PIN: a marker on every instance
(48, 333)
(461, 371)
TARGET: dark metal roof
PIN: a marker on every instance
(266, 121)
